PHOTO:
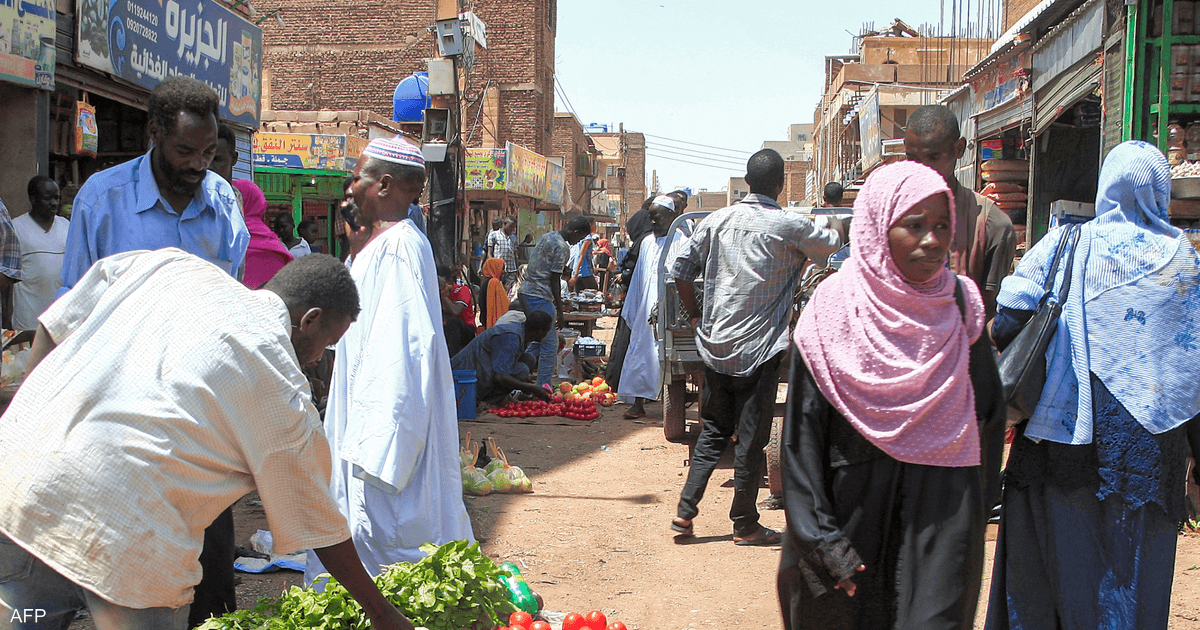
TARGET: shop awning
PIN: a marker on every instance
(1077, 37)
(1064, 91)
(1001, 117)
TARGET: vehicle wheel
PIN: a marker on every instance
(674, 406)
(774, 474)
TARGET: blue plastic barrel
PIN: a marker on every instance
(464, 393)
(411, 98)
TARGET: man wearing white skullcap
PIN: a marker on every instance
(641, 375)
(391, 420)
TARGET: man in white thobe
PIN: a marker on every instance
(391, 420)
(641, 373)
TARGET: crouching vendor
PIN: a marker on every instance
(498, 357)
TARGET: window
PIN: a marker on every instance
(612, 170)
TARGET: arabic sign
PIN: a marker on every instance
(289, 150)
(1007, 80)
(27, 42)
(146, 42)
(486, 169)
(556, 182)
(354, 150)
(868, 130)
(526, 172)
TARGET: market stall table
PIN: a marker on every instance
(586, 321)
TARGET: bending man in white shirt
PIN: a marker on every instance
(152, 409)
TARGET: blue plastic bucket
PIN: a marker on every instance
(464, 393)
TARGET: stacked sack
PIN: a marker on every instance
(1007, 185)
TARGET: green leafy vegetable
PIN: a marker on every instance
(454, 587)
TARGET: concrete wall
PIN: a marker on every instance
(18, 134)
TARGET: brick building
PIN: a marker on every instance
(708, 201)
(795, 174)
(353, 58)
(581, 159)
(623, 169)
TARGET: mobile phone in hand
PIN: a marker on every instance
(349, 217)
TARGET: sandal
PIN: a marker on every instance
(634, 415)
(680, 528)
(764, 537)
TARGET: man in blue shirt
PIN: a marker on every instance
(498, 357)
(166, 198)
(169, 198)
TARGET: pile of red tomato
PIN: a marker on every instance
(576, 410)
(594, 620)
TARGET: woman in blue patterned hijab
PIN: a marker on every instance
(1095, 482)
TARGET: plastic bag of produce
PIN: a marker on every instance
(475, 483)
(468, 453)
(520, 482)
(507, 478)
(496, 462)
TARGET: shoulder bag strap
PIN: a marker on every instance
(960, 299)
(1062, 245)
(1066, 286)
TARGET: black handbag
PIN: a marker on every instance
(1023, 363)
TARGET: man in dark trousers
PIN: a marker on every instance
(750, 256)
(541, 290)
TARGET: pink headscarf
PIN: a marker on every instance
(266, 254)
(889, 355)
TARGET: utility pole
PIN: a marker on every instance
(444, 174)
(621, 172)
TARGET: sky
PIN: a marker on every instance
(727, 75)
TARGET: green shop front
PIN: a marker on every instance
(304, 175)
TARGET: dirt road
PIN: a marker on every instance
(594, 534)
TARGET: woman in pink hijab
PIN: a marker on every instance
(266, 254)
(881, 460)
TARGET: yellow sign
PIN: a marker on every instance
(526, 172)
(313, 151)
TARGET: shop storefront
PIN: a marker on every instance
(27, 60)
(1000, 103)
(111, 55)
(512, 181)
(305, 175)
(1067, 75)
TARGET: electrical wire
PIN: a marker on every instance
(663, 157)
(690, 152)
(563, 92)
(650, 135)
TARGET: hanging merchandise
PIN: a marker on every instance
(87, 135)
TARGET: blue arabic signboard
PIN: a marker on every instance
(145, 42)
